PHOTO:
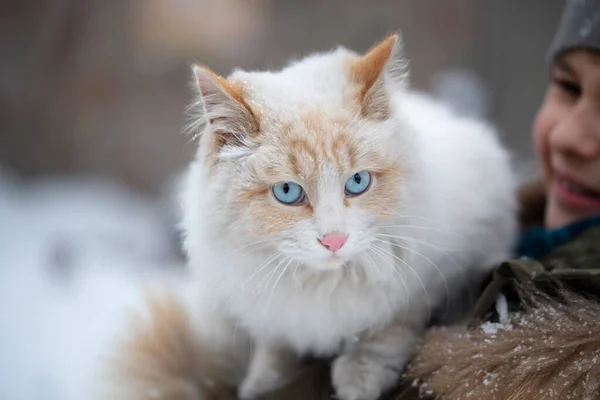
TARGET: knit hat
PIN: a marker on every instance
(579, 28)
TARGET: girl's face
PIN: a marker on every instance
(567, 139)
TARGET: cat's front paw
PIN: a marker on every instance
(361, 378)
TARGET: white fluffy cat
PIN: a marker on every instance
(329, 211)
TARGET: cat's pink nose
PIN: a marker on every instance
(333, 241)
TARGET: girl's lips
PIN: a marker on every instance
(575, 196)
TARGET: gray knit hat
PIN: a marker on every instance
(579, 28)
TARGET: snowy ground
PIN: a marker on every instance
(73, 257)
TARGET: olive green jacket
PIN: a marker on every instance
(576, 264)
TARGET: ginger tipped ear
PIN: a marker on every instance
(381, 69)
(224, 111)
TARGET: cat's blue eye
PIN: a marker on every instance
(289, 193)
(358, 183)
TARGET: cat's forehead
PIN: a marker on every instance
(281, 99)
(302, 146)
(318, 81)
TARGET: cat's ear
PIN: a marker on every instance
(382, 70)
(224, 109)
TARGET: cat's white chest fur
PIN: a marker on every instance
(311, 313)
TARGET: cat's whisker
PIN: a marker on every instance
(410, 216)
(451, 258)
(401, 221)
(444, 250)
(277, 281)
(424, 227)
(407, 226)
(367, 268)
(444, 280)
(248, 252)
(370, 260)
(415, 274)
(366, 255)
(265, 280)
(294, 277)
(250, 248)
(397, 272)
(268, 277)
(265, 242)
(263, 245)
(447, 251)
(261, 267)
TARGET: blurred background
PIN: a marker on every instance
(92, 104)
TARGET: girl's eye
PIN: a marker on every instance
(567, 86)
(288, 193)
(358, 183)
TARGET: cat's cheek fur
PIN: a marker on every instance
(269, 218)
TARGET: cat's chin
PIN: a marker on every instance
(329, 264)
